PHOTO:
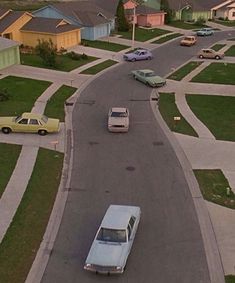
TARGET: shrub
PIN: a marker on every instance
(200, 21)
(74, 56)
(84, 56)
(4, 95)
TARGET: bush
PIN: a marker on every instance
(47, 51)
(4, 95)
(84, 56)
(200, 21)
(73, 55)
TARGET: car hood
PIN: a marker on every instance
(7, 120)
(107, 254)
(118, 121)
(130, 55)
(155, 79)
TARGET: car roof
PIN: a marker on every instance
(189, 36)
(31, 115)
(145, 70)
(118, 109)
(118, 216)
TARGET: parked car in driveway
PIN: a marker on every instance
(118, 119)
(113, 241)
(137, 55)
(29, 123)
(148, 77)
(205, 32)
(210, 54)
(188, 40)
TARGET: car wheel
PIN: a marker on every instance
(149, 58)
(6, 130)
(217, 57)
(42, 132)
(135, 78)
(133, 60)
(200, 56)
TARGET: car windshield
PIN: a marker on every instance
(118, 114)
(150, 74)
(111, 235)
(17, 119)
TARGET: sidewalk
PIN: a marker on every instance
(203, 152)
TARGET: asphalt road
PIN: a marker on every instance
(137, 168)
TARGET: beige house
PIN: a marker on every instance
(225, 10)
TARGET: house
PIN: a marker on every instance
(192, 10)
(9, 52)
(26, 29)
(94, 21)
(225, 10)
(62, 33)
(144, 15)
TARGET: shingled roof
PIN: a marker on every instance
(48, 25)
(3, 11)
(197, 5)
(85, 12)
(9, 19)
(7, 43)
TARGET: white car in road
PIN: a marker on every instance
(118, 119)
(113, 241)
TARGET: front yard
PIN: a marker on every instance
(179, 74)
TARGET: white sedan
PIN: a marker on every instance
(118, 119)
(113, 241)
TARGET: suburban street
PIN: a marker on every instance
(137, 168)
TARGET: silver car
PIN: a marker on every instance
(113, 241)
(118, 119)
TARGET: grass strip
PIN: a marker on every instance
(217, 73)
(213, 186)
(184, 25)
(22, 240)
(104, 45)
(216, 112)
(169, 110)
(230, 51)
(184, 70)
(230, 278)
(217, 47)
(225, 23)
(99, 67)
(166, 38)
(55, 105)
(63, 62)
(9, 154)
(142, 34)
(22, 94)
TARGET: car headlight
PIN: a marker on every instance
(87, 265)
(118, 268)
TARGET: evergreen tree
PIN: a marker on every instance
(47, 51)
(169, 13)
(122, 23)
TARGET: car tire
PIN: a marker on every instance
(135, 78)
(217, 57)
(149, 58)
(200, 56)
(133, 60)
(42, 132)
(6, 130)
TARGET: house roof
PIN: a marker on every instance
(9, 19)
(108, 5)
(48, 25)
(7, 43)
(143, 10)
(3, 11)
(197, 5)
(85, 12)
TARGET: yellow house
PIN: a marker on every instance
(62, 33)
(27, 29)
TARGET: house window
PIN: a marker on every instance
(233, 14)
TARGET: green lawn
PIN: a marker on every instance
(216, 112)
(217, 47)
(63, 62)
(184, 70)
(99, 67)
(230, 278)
(169, 110)
(230, 51)
(22, 94)
(144, 34)
(9, 154)
(183, 25)
(217, 73)
(226, 23)
(22, 240)
(99, 44)
(166, 38)
(213, 185)
(55, 106)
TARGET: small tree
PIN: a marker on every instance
(121, 18)
(169, 13)
(47, 51)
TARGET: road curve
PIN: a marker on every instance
(137, 168)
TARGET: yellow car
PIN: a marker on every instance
(29, 123)
(188, 40)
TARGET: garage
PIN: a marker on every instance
(9, 53)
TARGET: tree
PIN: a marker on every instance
(169, 13)
(47, 51)
(121, 18)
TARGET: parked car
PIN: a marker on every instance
(118, 119)
(148, 77)
(210, 53)
(29, 123)
(205, 32)
(139, 54)
(113, 241)
(188, 40)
